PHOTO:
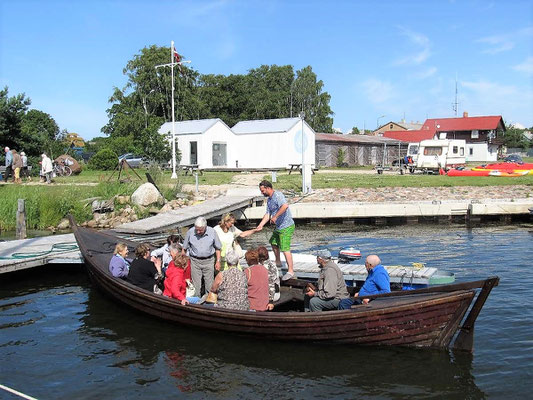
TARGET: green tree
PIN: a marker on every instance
(515, 138)
(309, 98)
(12, 110)
(105, 159)
(355, 131)
(341, 155)
(39, 132)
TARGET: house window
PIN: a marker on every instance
(462, 151)
(455, 149)
(194, 152)
(219, 154)
(432, 151)
(391, 126)
(471, 151)
(475, 134)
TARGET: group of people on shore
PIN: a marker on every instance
(17, 166)
(207, 265)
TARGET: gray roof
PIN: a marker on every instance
(349, 138)
(411, 126)
(189, 127)
(265, 125)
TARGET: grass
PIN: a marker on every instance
(339, 180)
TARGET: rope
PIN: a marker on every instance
(24, 396)
(56, 248)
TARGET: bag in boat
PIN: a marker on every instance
(189, 292)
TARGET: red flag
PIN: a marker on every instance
(177, 57)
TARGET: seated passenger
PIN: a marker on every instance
(257, 275)
(178, 276)
(273, 276)
(143, 271)
(119, 266)
(164, 251)
(331, 287)
(377, 282)
(231, 286)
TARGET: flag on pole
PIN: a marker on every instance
(177, 58)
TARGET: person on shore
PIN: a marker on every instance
(273, 276)
(17, 165)
(257, 276)
(278, 213)
(228, 233)
(8, 164)
(119, 266)
(164, 252)
(331, 287)
(178, 277)
(144, 272)
(46, 168)
(230, 286)
(25, 171)
(203, 245)
(377, 282)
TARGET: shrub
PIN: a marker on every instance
(105, 159)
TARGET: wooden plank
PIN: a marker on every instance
(186, 216)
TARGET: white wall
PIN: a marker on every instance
(481, 152)
(255, 150)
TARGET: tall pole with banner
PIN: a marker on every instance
(175, 59)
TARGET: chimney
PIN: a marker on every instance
(465, 114)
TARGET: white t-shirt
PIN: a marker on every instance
(227, 238)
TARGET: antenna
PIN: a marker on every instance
(454, 104)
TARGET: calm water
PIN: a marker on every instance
(61, 338)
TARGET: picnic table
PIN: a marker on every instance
(191, 168)
(298, 167)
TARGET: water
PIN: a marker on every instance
(61, 338)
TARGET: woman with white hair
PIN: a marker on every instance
(231, 286)
(228, 233)
(46, 168)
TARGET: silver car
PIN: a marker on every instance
(133, 160)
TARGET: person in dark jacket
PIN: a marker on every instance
(143, 271)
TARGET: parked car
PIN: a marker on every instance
(513, 158)
(133, 160)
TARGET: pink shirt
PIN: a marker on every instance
(257, 287)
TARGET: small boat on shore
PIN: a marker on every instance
(467, 172)
(432, 317)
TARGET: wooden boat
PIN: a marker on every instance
(420, 318)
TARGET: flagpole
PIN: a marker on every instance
(172, 64)
(174, 175)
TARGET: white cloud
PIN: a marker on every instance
(423, 45)
(428, 72)
(526, 66)
(503, 42)
(378, 91)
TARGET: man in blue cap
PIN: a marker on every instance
(331, 287)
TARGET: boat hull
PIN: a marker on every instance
(419, 320)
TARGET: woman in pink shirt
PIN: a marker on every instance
(257, 276)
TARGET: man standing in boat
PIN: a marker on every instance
(203, 246)
(377, 282)
(278, 213)
(331, 287)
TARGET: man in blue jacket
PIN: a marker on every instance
(9, 163)
(377, 282)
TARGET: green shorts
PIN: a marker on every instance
(282, 238)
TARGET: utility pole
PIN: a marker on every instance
(174, 60)
(455, 103)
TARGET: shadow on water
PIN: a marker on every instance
(195, 361)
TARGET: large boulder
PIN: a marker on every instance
(147, 194)
(72, 163)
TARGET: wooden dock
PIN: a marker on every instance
(186, 216)
(21, 254)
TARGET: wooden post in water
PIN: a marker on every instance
(21, 219)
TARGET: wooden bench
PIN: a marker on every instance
(191, 168)
(298, 167)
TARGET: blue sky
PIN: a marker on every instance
(379, 60)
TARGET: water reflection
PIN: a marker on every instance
(196, 360)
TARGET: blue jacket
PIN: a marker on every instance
(9, 158)
(377, 282)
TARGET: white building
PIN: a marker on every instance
(273, 143)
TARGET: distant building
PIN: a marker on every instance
(357, 149)
(483, 135)
(261, 144)
(397, 126)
